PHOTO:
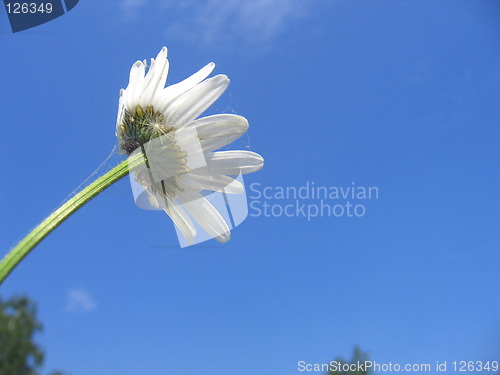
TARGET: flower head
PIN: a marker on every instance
(181, 161)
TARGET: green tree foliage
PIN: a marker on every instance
(18, 324)
(19, 354)
(358, 357)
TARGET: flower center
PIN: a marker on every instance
(141, 126)
(165, 160)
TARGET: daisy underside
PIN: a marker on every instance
(181, 161)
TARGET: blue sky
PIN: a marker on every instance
(401, 95)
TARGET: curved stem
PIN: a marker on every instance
(27, 244)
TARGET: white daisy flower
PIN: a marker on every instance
(181, 160)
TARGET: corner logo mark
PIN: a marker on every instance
(28, 14)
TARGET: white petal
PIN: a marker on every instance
(173, 91)
(180, 218)
(206, 215)
(135, 86)
(119, 119)
(158, 72)
(149, 75)
(136, 75)
(217, 131)
(223, 184)
(230, 163)
(194, 102)
(153, 200)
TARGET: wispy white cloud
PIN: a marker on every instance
(131, 8)
(79, 300)
(219, 22)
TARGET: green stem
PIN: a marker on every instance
(27, 244)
